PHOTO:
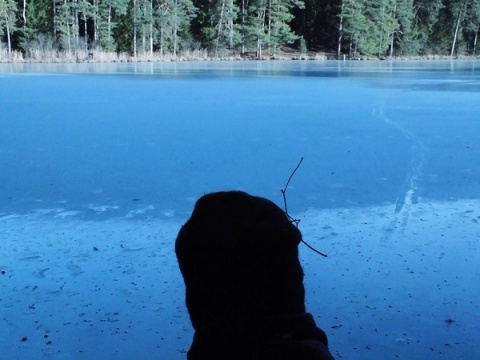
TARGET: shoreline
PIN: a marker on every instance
(84, 57)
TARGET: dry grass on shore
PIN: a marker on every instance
(100, 56)
(97, 56)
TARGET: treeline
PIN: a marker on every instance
(32, 28)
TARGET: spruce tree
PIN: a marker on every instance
(357, 27)
(406, 36)
(253, 26)
(279, 32)
(429, 24)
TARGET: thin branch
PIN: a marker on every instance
(291, 219)
(284, 190)
(312, 248)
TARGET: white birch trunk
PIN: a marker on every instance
(475, 42)
(340, 30)
(24, 14)
(9, 40)
(457, 27)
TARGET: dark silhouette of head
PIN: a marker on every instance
(239, 258)
(238, 255)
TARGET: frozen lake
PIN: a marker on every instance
(101, 164)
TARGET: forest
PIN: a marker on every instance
(38, 29)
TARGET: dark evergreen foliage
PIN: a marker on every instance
(342, 27)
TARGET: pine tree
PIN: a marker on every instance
(279, 32)
(162, 17)
(63, 24)
(407, 34)
(371, 25)
(142, 21)
(173, 19)
(356, 26)
(105, 13)
(472, 25)
(429, 23)
(253, 25)
(8, 16)
(222, 31)
(384, 25)
(36, 26)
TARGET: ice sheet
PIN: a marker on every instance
(101, 164)
(394, 285)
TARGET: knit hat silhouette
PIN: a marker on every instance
(238, 255)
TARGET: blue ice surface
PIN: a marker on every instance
(126, 135)
(389, 188)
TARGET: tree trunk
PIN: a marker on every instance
(381, 47)
(134, 28)
(24, 16)
(95, 22)
(391, 45)
(67, 27)
(175, 29)
(54, 9)
(230, 26)
(340, 31)
(151, 28)
(457, 27)
(394, 16)
(269, 30)
(243, 27)
(109, 24)
(161, 42)
(144, 32)
(85, 32)
(219, 32)
(9, 40)
(261, 30)
(475, 43)
(76, 25)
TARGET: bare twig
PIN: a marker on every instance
(291, 219)
(313, 249)
(284, 191)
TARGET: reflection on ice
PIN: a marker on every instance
(201, 69)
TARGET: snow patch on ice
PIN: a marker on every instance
(168, 213)
(141, 211)
(64, 214)
(102, 208)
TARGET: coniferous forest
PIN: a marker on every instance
(32, 29)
